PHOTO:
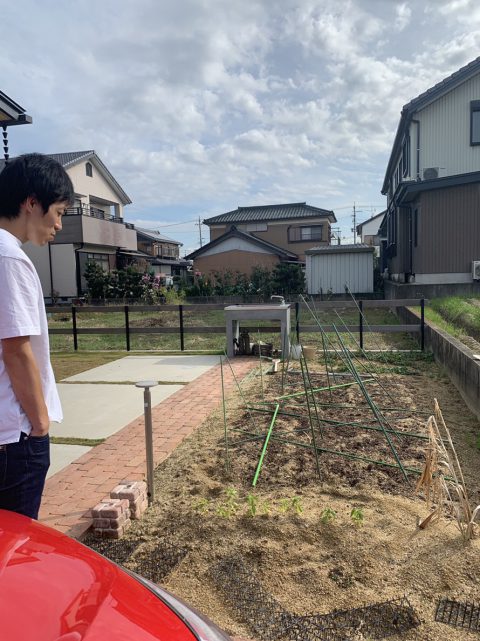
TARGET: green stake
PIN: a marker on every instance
(265, 445)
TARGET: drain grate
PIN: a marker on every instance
(459, 614)
(271, 622)
(158, 562)
(376, 621)
(118, 551)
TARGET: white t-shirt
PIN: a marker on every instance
(22, 313)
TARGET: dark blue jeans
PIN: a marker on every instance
(23, 468)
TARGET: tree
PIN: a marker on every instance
(288, 279)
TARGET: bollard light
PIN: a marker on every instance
(147, 407)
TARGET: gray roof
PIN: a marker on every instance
(156, 235)
(70, 158)
(270, 212)
(341, 249)
(233, 231)
(440, 89)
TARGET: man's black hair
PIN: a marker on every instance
(33, 175)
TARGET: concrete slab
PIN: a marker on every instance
(63, 455)
(181, 369)
(98, 411)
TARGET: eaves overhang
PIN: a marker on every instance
(408, 192)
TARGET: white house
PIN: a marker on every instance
(432, 183)
(369, 231)
(93, 229)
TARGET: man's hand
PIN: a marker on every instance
(24, 375)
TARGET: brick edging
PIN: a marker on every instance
(70, 494)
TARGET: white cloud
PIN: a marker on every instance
(200, 106)
(403, 16)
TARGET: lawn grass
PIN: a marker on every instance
(212, 342)
(460, 312)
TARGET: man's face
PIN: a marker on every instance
(42, 227)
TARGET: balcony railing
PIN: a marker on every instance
(96, 212)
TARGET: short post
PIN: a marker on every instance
(182, 338)
(360, 319)
(147, 405)
(422, 324)
(127, 327)
(74, 327)
(297, 321)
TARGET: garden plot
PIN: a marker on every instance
(345, 538)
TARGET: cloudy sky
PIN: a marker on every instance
(199, 106)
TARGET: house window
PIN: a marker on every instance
(304, 234)
(100, 259)
(257, 227)
(89, 169)
(475, 122)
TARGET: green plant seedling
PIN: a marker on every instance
(297, 506)
(252, 502)
(327, 515)
(293, 504)
(202, 506)
(230, 506)
(357, 515)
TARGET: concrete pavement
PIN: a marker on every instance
(100, 402)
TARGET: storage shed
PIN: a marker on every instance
(329, 269)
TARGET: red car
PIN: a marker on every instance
(53, 588)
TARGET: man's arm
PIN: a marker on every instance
(24, 375)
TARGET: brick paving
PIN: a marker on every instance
(70, 495)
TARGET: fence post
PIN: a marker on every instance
(74, 327)
(182, 338)
(127, 327)
(422, 324)
(297, 321)
(360, 310)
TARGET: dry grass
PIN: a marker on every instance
(442, 480)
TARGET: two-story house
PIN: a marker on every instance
(93, 229)
(432, 183)
(369, 231)
(162, 254)
(265, 235)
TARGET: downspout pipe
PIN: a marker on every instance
(417, 123)
(77, 270)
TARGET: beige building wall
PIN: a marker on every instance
(277, 234)
(94, 189)
(235, 260)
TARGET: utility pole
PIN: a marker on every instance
(354, 225)
(200, 231)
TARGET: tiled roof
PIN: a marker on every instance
(233, 231)
(72, 157)
(270, 212)
(156, 235)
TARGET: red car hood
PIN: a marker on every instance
(52, 588)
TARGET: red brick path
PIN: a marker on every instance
(70, 494)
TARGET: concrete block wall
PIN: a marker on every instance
(457, 360)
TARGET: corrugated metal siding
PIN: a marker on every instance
(449, 230)
(445, 131)
(333, 271)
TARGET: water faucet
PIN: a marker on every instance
(280, 300)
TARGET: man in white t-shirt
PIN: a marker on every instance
(35, 192)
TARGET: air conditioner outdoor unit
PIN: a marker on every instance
(476, 270)
(430, 173)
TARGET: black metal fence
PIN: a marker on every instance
(182, 329)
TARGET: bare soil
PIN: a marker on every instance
(308, 563)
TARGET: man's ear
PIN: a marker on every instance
(29, 204)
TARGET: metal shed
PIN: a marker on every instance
(329, 269)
